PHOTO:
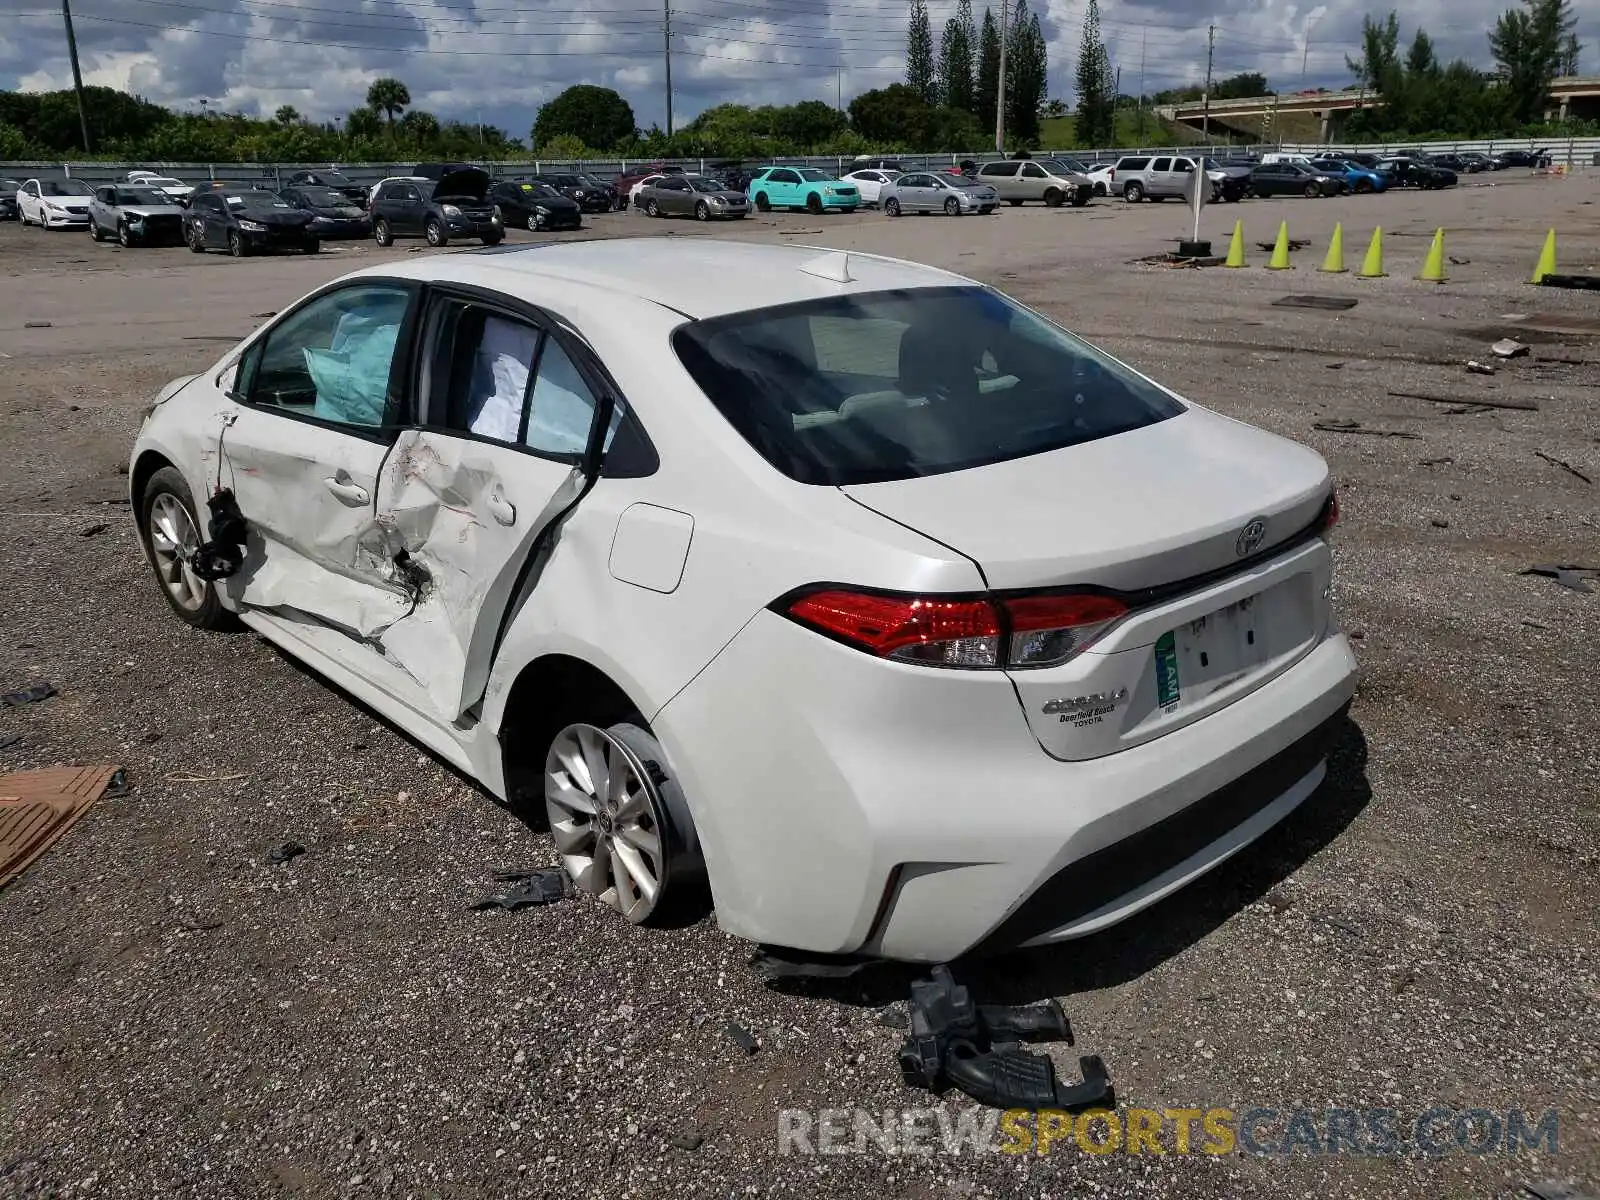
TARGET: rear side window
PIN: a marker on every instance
(1001, 169)
(1132, 164)
(894, 385)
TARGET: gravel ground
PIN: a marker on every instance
(182, 1017)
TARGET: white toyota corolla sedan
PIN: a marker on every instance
(848, 594)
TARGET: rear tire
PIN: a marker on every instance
(1014, 203)
(1080, 199)
(196, 240)
(94, 229)
(314, 246)
(652, 209)
(167, 546)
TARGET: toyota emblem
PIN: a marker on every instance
(1251, 537)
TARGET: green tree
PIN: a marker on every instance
(1421, 60)
(565, 146)
(921, 76)
(363, 123)
(1379, 63)
(421, 129)
(1529, 45)
(1246, 85)
(1571, 53)
(1096, 124)
(388, 96)
(808, 124)
(287, 114)
(988, 70)
(596, 116)
(956, 60)
(1026, 68)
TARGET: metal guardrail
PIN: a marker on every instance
(1570, 152)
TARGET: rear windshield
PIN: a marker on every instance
(893, 385)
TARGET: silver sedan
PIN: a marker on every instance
(927, 191)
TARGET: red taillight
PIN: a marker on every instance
(1330, 512)
(1019, 631)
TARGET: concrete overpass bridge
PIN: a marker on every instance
(1569, 96)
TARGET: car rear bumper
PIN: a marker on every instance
(849, 805)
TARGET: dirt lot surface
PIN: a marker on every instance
(179, 1017)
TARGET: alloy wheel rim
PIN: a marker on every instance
(602, 812)
(173, 541)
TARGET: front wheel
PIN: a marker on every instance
(1014, 203)
(892, 206)
(621, 825)
(702, 211)
(1312, 191)
(435, 233)
(492, 239)
(381, 233)
(814, 204)
(952, 207)
(1053, 198)
(171, 535)
(314, 246)
(1079, 199)
(124, 238)
(237, 246)
(1363, 187)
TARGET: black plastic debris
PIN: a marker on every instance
(8, 740)
(1551, 1190)
(28, 695)
(1563, 464)
(1567, 575)
(534, 887)
(742, 1038)
(117, 787)
(223, 555)
(977, 1049)
(285, 852)
(685, 1141)
(94, 530)
(774, 964)
(1587, 283)
(1325, 303)
(1347, 426)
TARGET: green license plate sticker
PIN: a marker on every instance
(1166, 670)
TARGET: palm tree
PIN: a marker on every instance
(388, 96)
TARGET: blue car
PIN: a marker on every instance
(1360, 179)
(801, 188)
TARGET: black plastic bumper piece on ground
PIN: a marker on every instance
(1097, 879)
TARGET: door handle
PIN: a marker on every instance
(349, 493)
(503, 510)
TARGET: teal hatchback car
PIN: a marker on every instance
(801, 188)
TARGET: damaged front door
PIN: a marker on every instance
(507, 415)
(302, 441)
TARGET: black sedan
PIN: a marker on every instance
(339, 182)
(1292, 179)
(1521, 158)
(8, 200)
(529, 204)
(588, 194)
(246, 222)
(333, 214)
(1414, 172)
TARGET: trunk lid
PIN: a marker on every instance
(1167, 514)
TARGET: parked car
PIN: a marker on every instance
(1293, 179)
(1230, 181)
(1166, 177)
(869, 182)
(176, 188)
(589, 196)
(1274, 157)
(247, 221)
(1450, 162)
(534, 205)
(801, 188)
(1046, 179)
(1476, 161)
(333, 213)
(818, 573)
(456, 205)
(693, 196)
(1521, 158)
(866, 162)
(928, 191)
(8, 199)
(372, 192)
(630, 179)
(1362, 180)
(135, 215)
(336, 180)
(637, 190)
(1104, 178)
(1415, 172)
(54, 203)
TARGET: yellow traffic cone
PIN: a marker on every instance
(1334, 263)
(1280, 250)
(1433, 266)
(1236, 246)
(1372, 267)
(1547, 259)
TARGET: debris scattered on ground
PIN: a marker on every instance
(1551, 1190)
(1327, 303)
(1439, 523)
(8, 740)
(893, 1016)
(36, 324)
(1509, 348)
(285, 852)
(1294, 244)
(797, 232)
(1459, 262)
(1478, 368)
(1569, 575)
(977, 1049)
(1481, 401)
(1357, 427)
(1535, 625)
(1435, 462)
(1564, 465)
(93, 530)
(685, 1141)
(38, 807)
(742, 1038)
(535, 886)
(187, 777)
(773, 964)
(28, 695)
(1586, 283)
(1333, 366)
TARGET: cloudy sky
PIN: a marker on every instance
(497, 60)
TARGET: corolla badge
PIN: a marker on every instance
(1251, 537)
(1086, 704)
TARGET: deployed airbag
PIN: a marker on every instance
(352, 375)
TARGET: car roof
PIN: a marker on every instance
(671, 272)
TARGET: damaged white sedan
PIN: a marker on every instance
(845, 594)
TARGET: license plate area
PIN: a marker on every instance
(1213, 652)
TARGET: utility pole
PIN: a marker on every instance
(1205, 114)
(838, 87)
(1305, 52)
(77, 75)
(1000, 97)
(666, 50)
(1144, 41)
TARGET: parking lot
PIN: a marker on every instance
(180, 1017)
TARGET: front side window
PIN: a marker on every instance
(783, 177)
(899, 384)
(1033, 171)
(332, 358)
